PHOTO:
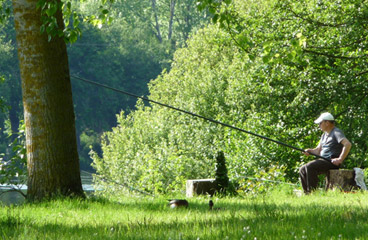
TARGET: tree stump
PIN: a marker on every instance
(200, 186)
(342, 179)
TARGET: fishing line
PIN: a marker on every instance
(195, 115)
(132, 189)
(267, 180)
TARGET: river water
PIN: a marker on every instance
(15, 197)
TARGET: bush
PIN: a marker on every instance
(270, 85)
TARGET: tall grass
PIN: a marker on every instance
(277, 215)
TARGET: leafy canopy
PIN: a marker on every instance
(269, 67)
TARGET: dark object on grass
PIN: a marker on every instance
(210, 203)
(177, 203)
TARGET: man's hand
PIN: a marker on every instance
(345, 151)
(306, 151)
(314, 151)
(336, 161)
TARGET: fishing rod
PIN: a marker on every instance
(196, 115)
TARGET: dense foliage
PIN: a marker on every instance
(126, 53)
(269, 67)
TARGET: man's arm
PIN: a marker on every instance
(315, 151)
(344, 153)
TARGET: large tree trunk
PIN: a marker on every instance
(53, 164)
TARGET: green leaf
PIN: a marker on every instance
(40, 4)
(266, 59)
(52, 8)
(294, 43)
(212, 10)
(76, 23)
(215, 18)
(42, 28)
(73, 37)
(66, 22)
(252, 57)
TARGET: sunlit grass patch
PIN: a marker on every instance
(277, 215)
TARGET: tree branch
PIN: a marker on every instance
(338, 47)
(318, 23)
(329, 55)
(172, 13)
(352, 106)
(361, 73)
(157, 25)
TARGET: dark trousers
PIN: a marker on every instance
(310, 171)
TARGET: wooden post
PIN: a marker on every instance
(342, 179)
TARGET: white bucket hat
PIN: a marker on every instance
(324, 116)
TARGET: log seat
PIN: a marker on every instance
(343, 179)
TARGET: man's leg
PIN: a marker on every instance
(310, 171)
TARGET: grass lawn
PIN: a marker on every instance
(277, 215)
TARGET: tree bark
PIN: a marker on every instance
(52, 157)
